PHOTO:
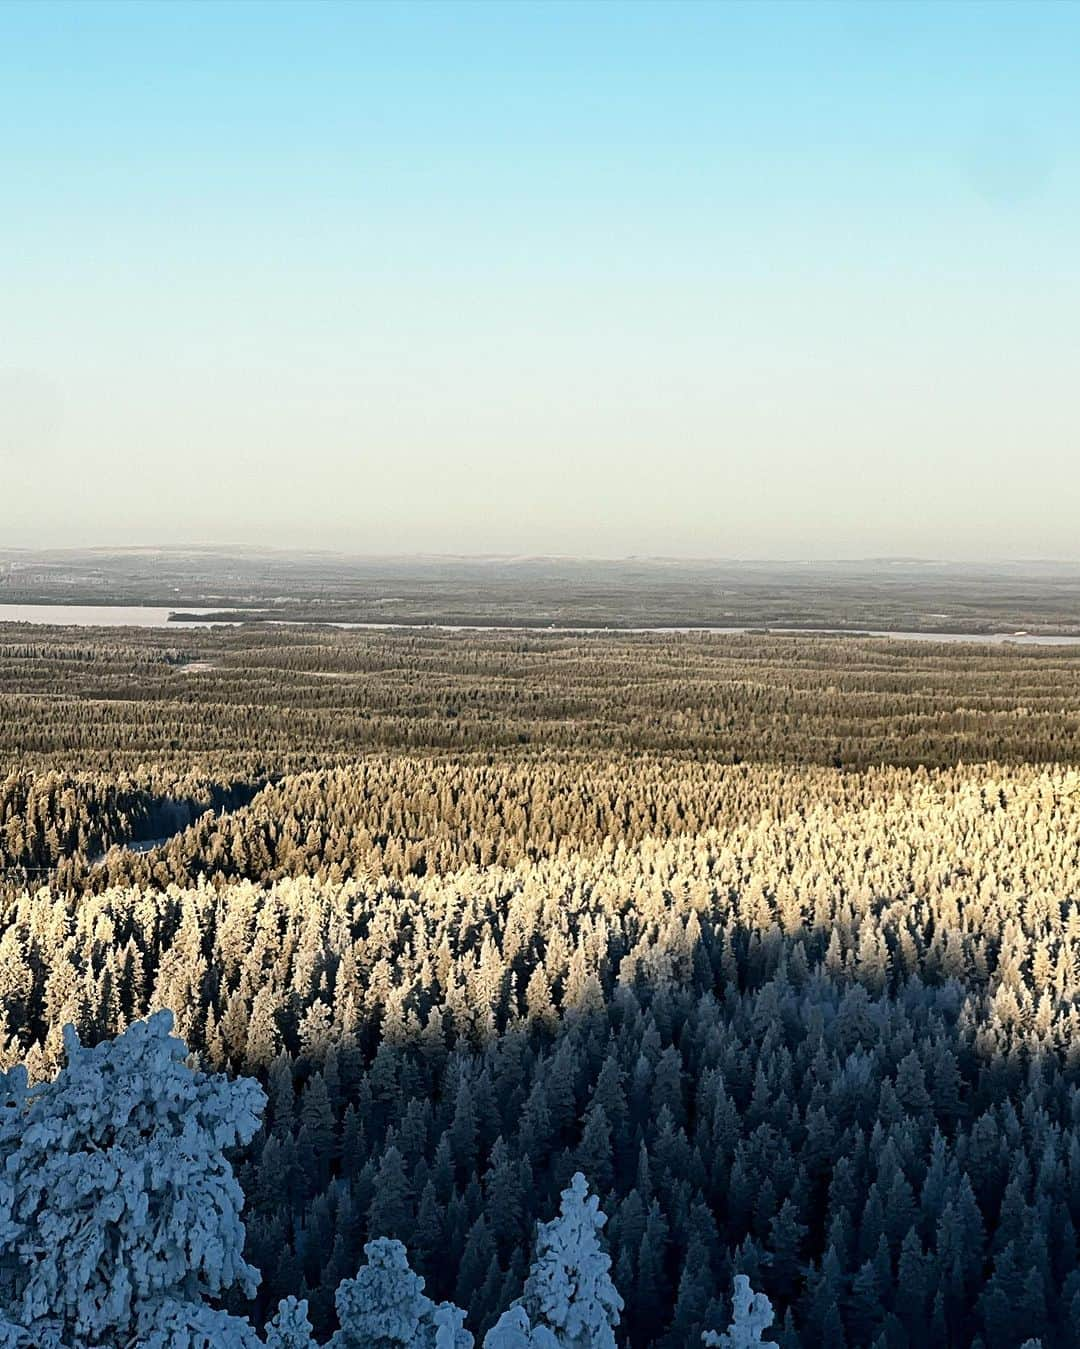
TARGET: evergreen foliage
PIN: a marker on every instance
(812, 1025)
(753, 1314)
(119, 1213)
(569, 1290)
(384, 1307)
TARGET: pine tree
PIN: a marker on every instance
(864, 1311)
(786, 1235)
(692, 1299)
(384, 1307)
(391, 1212)
(569, 1288)
(593, 1156)
(650, 1291)
(752, 1314)
(116, 1170)
(290, 1327)
(513, 1330)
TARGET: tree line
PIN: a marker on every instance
(248, 705)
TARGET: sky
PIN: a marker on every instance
(764, 280)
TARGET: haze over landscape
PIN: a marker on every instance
(754, 280)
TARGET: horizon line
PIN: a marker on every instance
(297, 551)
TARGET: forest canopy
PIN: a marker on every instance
(775, 941)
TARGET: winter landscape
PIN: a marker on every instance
(539, 674)
(762, 948)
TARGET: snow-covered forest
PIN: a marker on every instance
(120, 1224)
(810, 1025)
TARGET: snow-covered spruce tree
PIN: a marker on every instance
(119, 1212)
(384, 1307)
(513, 1330)
(290, 1328)
(16, 1337)
(753, 1313)
(569, 1291)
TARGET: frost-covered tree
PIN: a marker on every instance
(753, 1314)
(569, 1289)
(384, 1307)
(513, 1330)
(290, 1328)
(119, 1211)
(11, 1335)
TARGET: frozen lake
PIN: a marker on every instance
(148, 616)
(90, 615)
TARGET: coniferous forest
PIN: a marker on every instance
(774, 939)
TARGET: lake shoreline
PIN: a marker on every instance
(163, 618)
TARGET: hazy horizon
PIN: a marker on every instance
(226, 549)
(746, 281)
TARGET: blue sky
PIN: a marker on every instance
(751, 280)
